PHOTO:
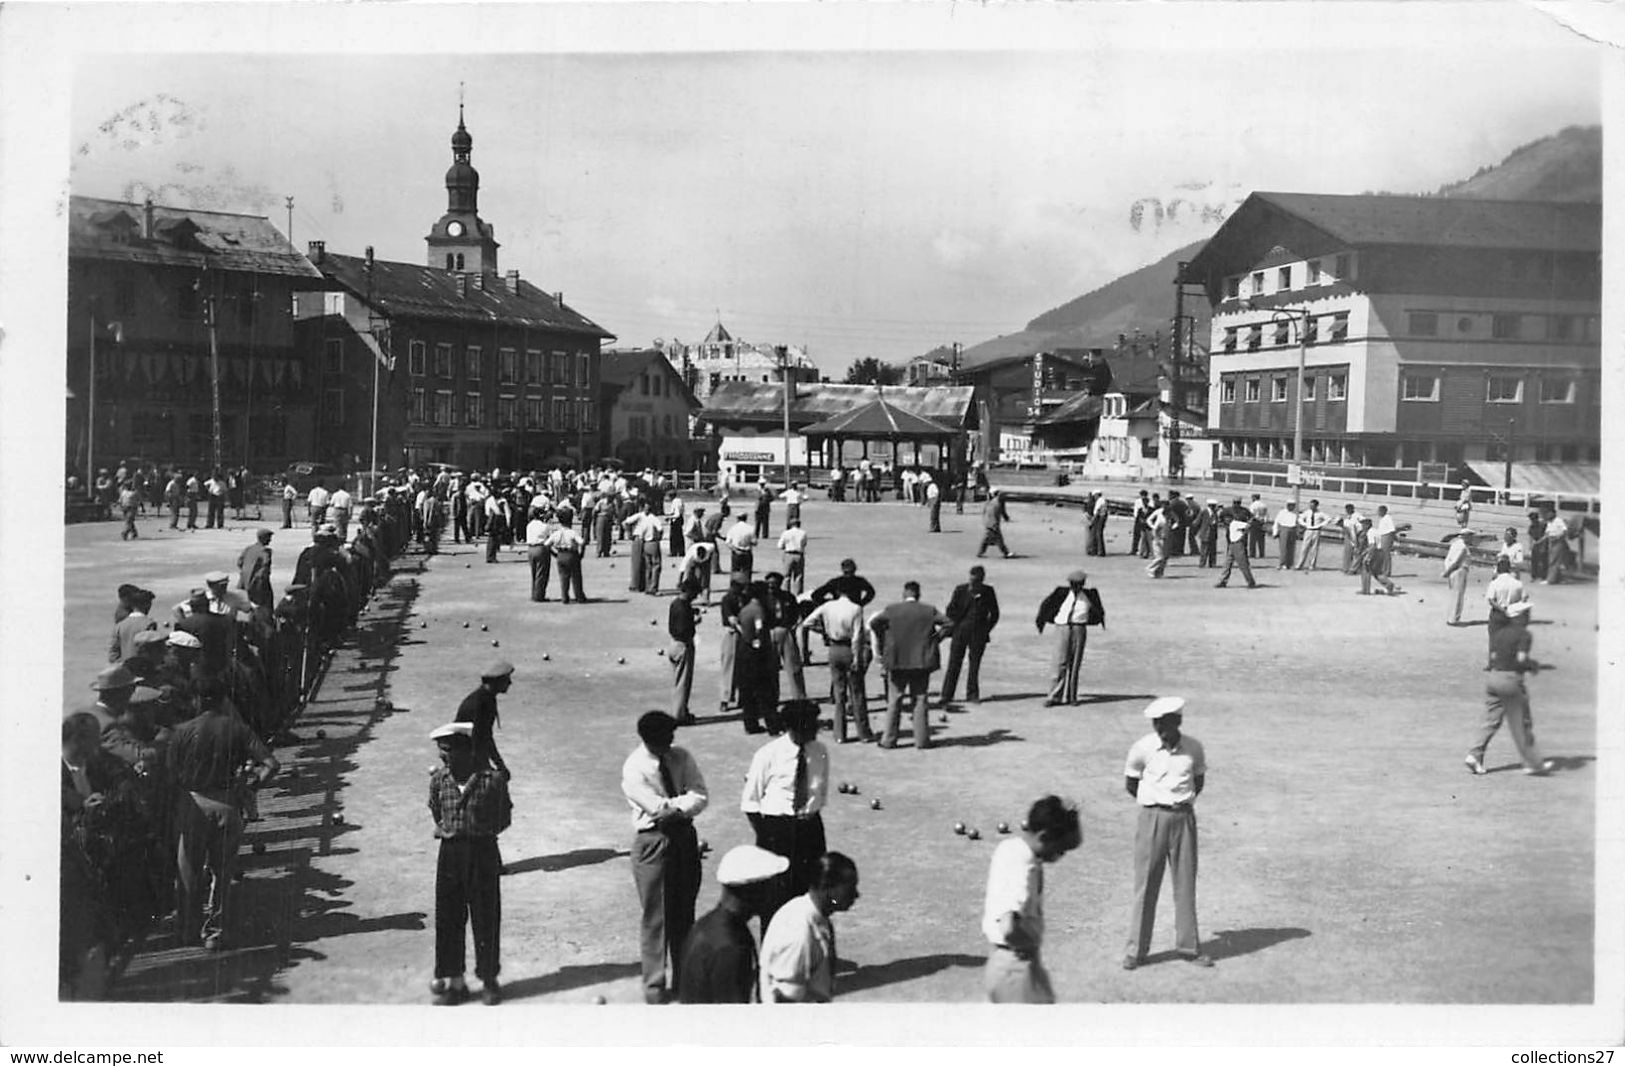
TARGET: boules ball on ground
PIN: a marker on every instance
(959, 827)
(974, 834)
(874, 805)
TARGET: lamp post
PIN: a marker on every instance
(1301, 324)
(783, 352)
(117, 329)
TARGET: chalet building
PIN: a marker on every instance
(165, 295)
(1016, 392)
(646, 410)
(1439, 331)
(721, 358)
(475, 368)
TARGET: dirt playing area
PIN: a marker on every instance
(1346, 854)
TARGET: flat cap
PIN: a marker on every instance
(1076, 577)
(748, 864)
(264, 533)
(500, 668)
(328, 529)
(180, 638)
(116, 676)
(453, 729)
(215, 577)
(148, 636)
(1164, 705)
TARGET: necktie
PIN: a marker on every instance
(666, 781)
(800, 798)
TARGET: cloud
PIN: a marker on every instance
(664, 306)
(954, 249)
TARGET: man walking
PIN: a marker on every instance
(1071, 609)
(906, 635)
(1506, 698)
(719, 957)
(663, 786)
(994, 515)
(1368, 560)
(1164, 774)
(973, 611)
(1013, 908)
(785, 791)
(798, 948)
(1239, 527)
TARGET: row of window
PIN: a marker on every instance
(1504, 326)
(1313, 273)
(539, 367)
(441, 408)
(1335, 328)
(1498, 388)
(639, 427)
(1336, 388)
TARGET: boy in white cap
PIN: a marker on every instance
(1165, 773)
(470, 804)
(719, 956)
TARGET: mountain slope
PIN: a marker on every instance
(1565, 166)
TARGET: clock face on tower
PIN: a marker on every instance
(454, 229)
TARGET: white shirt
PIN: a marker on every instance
(792, 496)
(1015, 884)
(1456, 555)
(797, 954)
(793, 539)
(493, 506)
(288, 492)
(932, 492)
(840, 619)
(1557, 529)
(1314, 520)
(741, 537)
(1513, 553)
(648, 528)
(771, 781)
(537, 531)
(564, 538)
(1238, 530)
(340, 500)
(1166, 777)
(698, 554)
(1285, 519)
(317, 497)
(646, 793)
(1504, 591)
(1384, 526)
(1073, 609)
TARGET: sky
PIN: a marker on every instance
(874, 190)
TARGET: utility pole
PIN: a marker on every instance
(372, 326)
(1512, 428)
(1176, 464)
(211, 317)
(783, 352)
(290, 218)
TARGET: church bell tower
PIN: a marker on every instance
(461, 241)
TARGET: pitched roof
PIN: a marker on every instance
(1448, 221)
(413, 291)
(877, 418)
(617, 370)
(719, 335)
(218, 240)
(1084, 407)
(763, 402)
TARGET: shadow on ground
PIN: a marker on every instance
(568, 977)
(888, 973)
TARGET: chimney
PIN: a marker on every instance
(513, 282)
(558, 298)
(146, 220)
(479, 280)
(318, 251)
(462, 284)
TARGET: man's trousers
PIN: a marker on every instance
(682, 680)
(1164, 837)
(468, 890)
(652, 563)
(1066, 662)
(910, 685)
(958, 649)
(1012, 979)
(846, 689)
(1507, 700)
(666, 871)
(541, 571)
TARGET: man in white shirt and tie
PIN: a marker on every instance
(1310, 523)
(785, 792)
(665, 790)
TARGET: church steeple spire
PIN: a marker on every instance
(461, 241)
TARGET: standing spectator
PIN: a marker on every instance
(836, 479)
(933, 500)
(1097, 524)
(663, 786)
(906, 635)
(1260, 512)
(841, 621)
(1238, 529)
(1349, 524)
(994, 515)
(674, 523)
(1071, 608)
(289, 494)
(719, 958)
(785, 612)
(1464, 504)
(537, 532)
(339, 505)
(470, 805)
(741, 542)
(764, 507)
(1215, 526)
(1511, 550)
(1537, 546)
(174, 494)
(1140, 542)
(1286, 534)
(696, 567)
(973, 611)
(1013, 908)
(316, 505)
(1159, 526)
(793, 548)
(132, 625)
(648, 532)
(567, 548)
(681, 622)
(1177, 521)
(215, 489)
(733, 601)
(793, 498)
(711, 527)
(785, 791)
(1310, 525)
(1201, 521)
(496, 524)
(1458, 572)
(1507, 699)
(756, 663)
(204, 757)
(194, 492)
(479, 710)
(254, 570)
(1387, 532)
(1164, 774)
(129, 503)
(798, 948)
(603, 516)
(1558, 557)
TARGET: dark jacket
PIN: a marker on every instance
(908, 631)
(974, 612)
(1052, 603)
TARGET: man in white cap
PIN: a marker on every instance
(1165, 773)
(470, 805)
(1071, 609)
(719, 956)
(1457, 571)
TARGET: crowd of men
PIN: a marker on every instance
(159, 772)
